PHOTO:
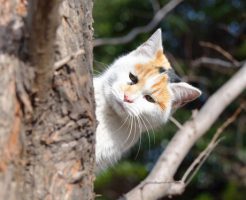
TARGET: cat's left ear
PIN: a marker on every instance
(183, 93)
(152, 45)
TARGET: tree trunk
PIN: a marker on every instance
(47, 119)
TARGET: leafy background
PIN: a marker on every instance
(221, 22)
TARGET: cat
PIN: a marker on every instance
(139, 91)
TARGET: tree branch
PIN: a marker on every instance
(221, 51)
(185, 138)
(211, 62)
(155, 5)
(142, 29)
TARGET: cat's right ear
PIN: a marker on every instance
(183, 93)
(152, 45)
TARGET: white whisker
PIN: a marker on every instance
(150, 127)
(140, 122)
(140, 133)
(122, 124)
(146, 129)
(129, 134)
(134, 135)
(133, 117)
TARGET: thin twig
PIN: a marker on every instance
(68, 58)
(197, 163)
(176, 122)
(228, 121)
(221, 51)
(214, 62)
(141, 29)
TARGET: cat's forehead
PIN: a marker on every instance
(155, 66)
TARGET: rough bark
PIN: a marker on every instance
(47, 119)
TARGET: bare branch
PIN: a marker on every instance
(44, 21)
(204, 155)
(155, 5)
(228, 122)
(221, 51)
(214, 62)
(68, 58)
(185, 138)
(197, 163)
(142, 29)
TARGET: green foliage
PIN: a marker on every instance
(123, 175)
(232, 191)
(123, 169)
(241, 50)
(205, 196)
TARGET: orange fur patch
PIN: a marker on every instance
(160, 91)
(144, 71)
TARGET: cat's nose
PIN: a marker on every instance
(127, 99)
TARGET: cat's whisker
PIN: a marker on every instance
(122, 124)
(129, 134)
(134, 117)
(114, 92)
(98, 72)
(141, 121)
(142, 117)
(146, 129)
(134, 135)
(140, 128)
(152, 130)
(103, 64)
(133, 114)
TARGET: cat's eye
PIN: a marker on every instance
(161, 70)
(149, 98)
(133, 78)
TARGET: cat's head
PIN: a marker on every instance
(143, 83)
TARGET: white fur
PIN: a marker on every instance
(115, 132)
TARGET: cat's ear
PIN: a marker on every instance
(183, 93)
(152, 45)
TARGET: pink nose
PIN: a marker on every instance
(126, 99)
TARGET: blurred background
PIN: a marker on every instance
(205, 41)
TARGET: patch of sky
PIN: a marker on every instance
(234, 28)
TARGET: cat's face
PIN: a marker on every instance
(143, 84)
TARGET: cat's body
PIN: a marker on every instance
(137, 92)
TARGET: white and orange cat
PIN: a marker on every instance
(137, 92)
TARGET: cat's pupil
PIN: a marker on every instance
(133, 78)
(161, 70)
(149, 98)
